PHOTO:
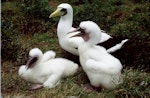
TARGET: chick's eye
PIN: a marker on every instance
(82, 30)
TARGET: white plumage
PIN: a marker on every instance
(46, 69)
(65, 25)
(102, 68)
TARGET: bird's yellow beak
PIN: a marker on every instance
(56, 13)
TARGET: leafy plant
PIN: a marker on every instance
(25, 17)
(36, 8)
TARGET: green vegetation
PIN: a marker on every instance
(26, 24)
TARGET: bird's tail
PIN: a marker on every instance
(117, 46)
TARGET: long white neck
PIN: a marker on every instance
(64, 25)
(82, 48)
(93, 40)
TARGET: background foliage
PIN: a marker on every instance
(24, 17)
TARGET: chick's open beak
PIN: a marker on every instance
(81, 32)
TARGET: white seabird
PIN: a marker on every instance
(102, 68)
(65, 25)
(44, 70)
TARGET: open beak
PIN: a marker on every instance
(81, 33)
(56, 13)
(31, 62)
(78, 34)
(76, 30)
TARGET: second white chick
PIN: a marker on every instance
(45, 70)
(102, 68)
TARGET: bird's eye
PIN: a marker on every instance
(64, 10)
(82, 30)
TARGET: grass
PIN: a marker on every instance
(136, 82)
(135, 60)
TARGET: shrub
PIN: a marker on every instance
(36, 13)
(25, 17)
(9, 44)
(38, 9)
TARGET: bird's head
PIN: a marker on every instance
(62, 10)
(89, 31)
(35, 55)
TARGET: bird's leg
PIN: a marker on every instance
(36, 86)
(52, 81)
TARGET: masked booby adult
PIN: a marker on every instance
(102, 68)
(44, 70)
(65, 11)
